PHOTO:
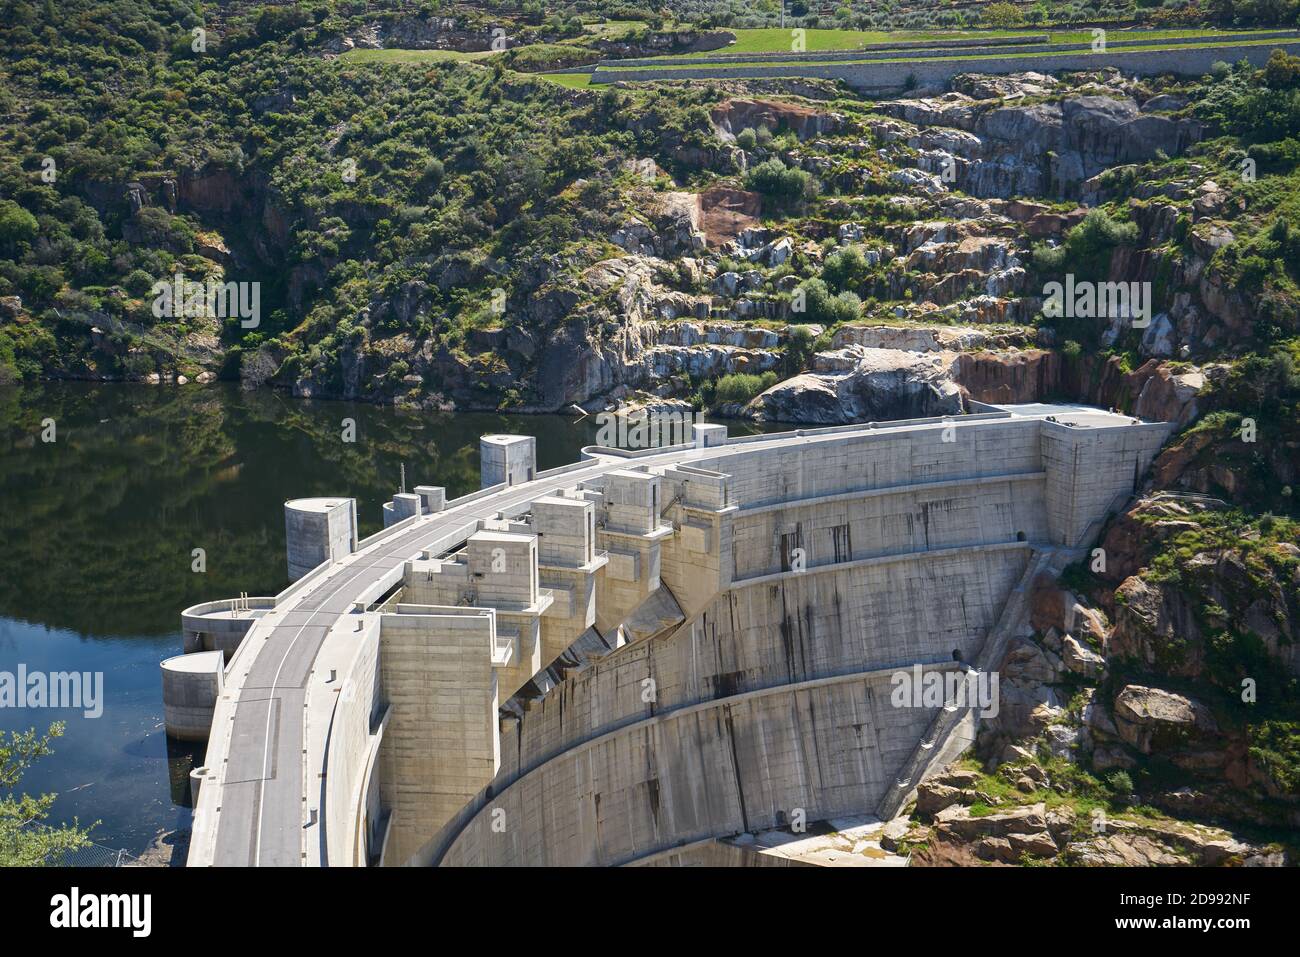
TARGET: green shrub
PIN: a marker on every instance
(1120, 785)
(1087, 248)
(18, 227)
(783, 184)
(742, 386)
(846, 269)
(821, 306)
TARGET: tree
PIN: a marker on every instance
(1002, 15)
(24, 840)
(18, 228)
(780, 183)
(1282, 71)
(821, 306)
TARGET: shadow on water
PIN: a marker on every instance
(99, 528)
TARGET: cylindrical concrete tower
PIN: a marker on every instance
(318, 530)
(191, 686)
(403, 506)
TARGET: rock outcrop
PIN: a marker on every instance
(857, 384)
(1042, 149)
(732, 116)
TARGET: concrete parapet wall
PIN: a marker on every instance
(351, 808)
(221, 625)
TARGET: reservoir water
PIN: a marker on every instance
(97, 536)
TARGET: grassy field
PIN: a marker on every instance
(574, 81)
(614, 29)
(776, 40)
(410, 56)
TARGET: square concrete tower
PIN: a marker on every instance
(707, 435)
(511, 459)
(566, 529)
(632, 501)
(503, 568)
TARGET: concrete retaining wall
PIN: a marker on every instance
(890, 76)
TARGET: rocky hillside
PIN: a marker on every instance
(462, 236)
(1149, 723)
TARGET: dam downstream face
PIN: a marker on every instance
(100, 526)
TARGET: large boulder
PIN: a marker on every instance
(1151, 719)
(856, 384)
(1158, 628)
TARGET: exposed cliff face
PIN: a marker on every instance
(1025, 376)
(732, 116)
(1044, 149)
(628, 340)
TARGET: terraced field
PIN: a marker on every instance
(903, 60)
(709, 69)
(776, 40)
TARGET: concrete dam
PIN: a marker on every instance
(647, 657)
